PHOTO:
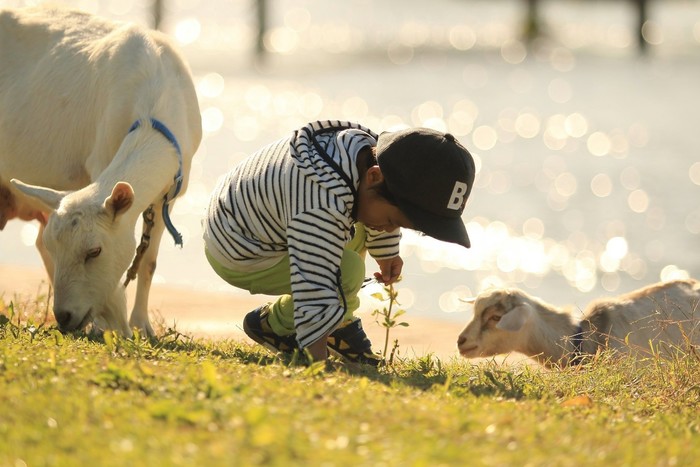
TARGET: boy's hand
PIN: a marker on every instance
(390, 270)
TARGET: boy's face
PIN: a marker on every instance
(375, 211)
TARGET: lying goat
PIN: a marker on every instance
(99, 121)
(665, 316)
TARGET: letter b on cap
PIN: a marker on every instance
(457, 197)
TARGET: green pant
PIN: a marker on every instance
(276, 280)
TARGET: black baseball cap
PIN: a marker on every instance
(430, 175)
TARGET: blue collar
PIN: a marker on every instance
(577, 340)
(177, 181)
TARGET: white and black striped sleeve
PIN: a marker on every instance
(383, 245)
(316, 240)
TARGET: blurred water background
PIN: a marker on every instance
(588, 153)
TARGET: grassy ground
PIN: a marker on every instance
(72, 400)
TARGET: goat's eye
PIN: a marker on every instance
(93, 253)
(495, 318)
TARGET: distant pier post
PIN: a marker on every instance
(642, 15)
(157, 13)
(261, 20)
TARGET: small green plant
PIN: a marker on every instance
(387, 317)
(33, 323)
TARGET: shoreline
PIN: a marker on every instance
(219, 315)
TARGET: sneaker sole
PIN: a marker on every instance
(342, 357)
(338, 355)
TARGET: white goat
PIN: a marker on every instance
(100, 118)
(665, 316)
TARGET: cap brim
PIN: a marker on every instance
(446, 229)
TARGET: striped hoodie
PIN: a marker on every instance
(297, 196)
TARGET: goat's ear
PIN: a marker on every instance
(48, 197)
(470, 300)
(120, 200)
(515, 318)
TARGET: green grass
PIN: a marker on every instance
(73, 400)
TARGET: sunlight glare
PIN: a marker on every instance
(559, 91)
(212, 119)
(460, 123)
(533, 228)
(527, 125)
(617, 247)
(610, 281)
(462, 37)
(576, 125)
(601, 185)
(28, 234)
(188, 31)
(630, 178)
(452, 302)
(673, 272)
(426, 111)
(211, 85)
(484, 137)
(638, 201)
(354, 108)
(246, 128)
(282, 40)
(692, 222)
(258, 98)
(599, 144)
(694, 173)
(310, 105)
(565, 184)
(513, 51)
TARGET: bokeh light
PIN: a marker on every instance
(527, 125)
(601, 185)
(694, 173)
(513, 51)
(673, 272)
(484, 137)
(576, 125)
(211, 85)
(28, 234)
(188, 31)
(212, 119)
(462, 37)
(630, 178)
(638, 201)
(560, 91)
(282, 40)
(599, 144)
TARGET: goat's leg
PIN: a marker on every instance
(147, 267)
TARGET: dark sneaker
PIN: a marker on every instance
(350, 343)
(257, 327)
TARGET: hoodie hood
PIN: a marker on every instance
(320, 151)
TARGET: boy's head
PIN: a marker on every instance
(430, 175)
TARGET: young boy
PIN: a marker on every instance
(295, 219)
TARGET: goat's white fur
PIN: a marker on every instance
(71, 86)
(662, 318)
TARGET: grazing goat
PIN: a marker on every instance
(665, 316)
(99, 120)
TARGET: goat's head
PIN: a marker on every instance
(91, 245)
(498, 316)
